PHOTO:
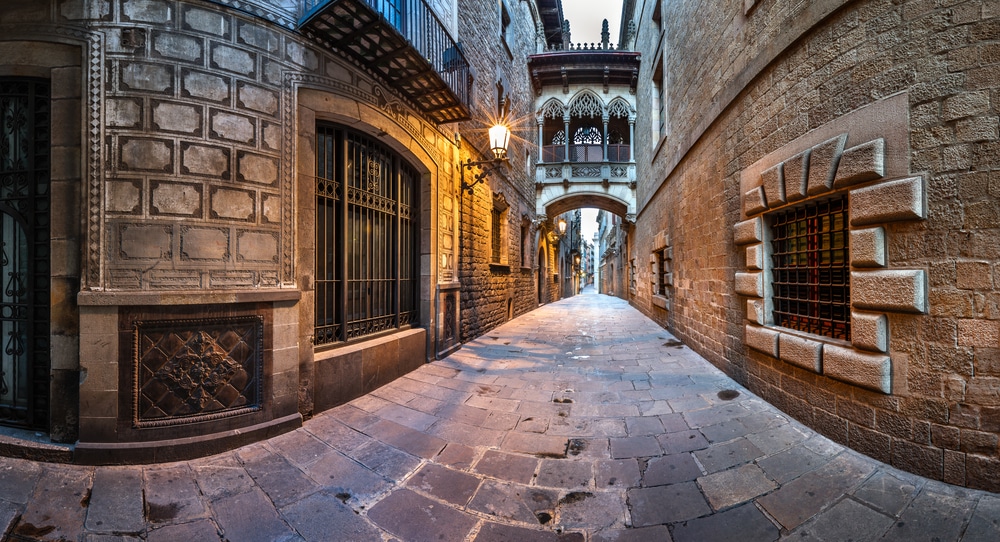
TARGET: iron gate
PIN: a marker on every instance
(24, 252)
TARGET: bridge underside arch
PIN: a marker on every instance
(567, 203)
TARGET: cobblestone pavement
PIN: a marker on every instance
(582, 420)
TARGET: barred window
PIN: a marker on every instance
(811, 268)
(498, 229)
(366, 237)
(495, 238)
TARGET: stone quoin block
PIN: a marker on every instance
(871, 371)
(754, 201)
(865, 162)
(870, 331)
(751, 284)
(761, 339)
(748, 231)
(893, 290)
(124, 196)
(258, 99)
(773, 181)
(237, 128)
(756, 311)
(823, 162)
(755, 257)
(888, 202)
(258, 169)
(124, 113)
(868, 247)
(801, 352)
(796, 171)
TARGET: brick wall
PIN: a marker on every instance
(493, 293)
(780, 80)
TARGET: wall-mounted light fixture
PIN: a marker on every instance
(499, 138)
(561, 226)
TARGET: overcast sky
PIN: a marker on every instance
(585, 18)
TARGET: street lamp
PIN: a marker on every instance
(499, 138)
(561, 224)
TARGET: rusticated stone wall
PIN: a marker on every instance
(893, 103)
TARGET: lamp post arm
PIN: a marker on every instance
(487, 166)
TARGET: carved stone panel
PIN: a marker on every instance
(188, 371)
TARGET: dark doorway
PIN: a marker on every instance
(24, 252)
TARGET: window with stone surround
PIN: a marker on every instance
(366, 238)
(811, 269)
(498, 230)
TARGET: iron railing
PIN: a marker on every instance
(419, 25)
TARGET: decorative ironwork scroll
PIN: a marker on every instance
(188, 371)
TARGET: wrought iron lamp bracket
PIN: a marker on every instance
(487, 166)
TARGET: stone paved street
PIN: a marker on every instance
(582, 420)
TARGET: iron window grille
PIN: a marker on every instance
(496, 237)
(366, 238)
(811, 269)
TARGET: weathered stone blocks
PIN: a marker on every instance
(761, 339)
(148, 77)
(178, 47)
(203, 160)
(748, 231)
(233, 127)
(146, 242)
(871, 371)
(984, 333)
(754, 202)
(773, 181)
(258, 169)
(176, 117)
(209, 22)
(755, 257)
(870, 331)
(888, 202)
(205, 244)
(232, 204)
(233, 60)
(257, 99)
(204, 86)
(868, 247)
(796, 175)
(865, 162)
(897, 290)
(257, 246)
(751, 284)
(147, 154)
(177, 199)
(823, 161)
(801, 352)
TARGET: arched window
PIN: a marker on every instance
(366, 237)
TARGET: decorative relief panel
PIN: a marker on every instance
(188, 371)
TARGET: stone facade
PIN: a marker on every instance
(891, 103)
(184, 174)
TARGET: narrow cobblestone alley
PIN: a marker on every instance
(581, 420)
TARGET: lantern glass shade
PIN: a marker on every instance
(499, 138)
(562, 226)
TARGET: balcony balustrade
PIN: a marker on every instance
(404, 42)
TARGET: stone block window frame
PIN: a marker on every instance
(661, 270)
(815, 174)
(499, 239)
